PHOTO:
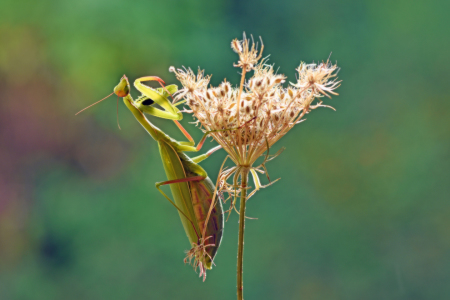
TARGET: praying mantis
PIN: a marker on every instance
(192, 190)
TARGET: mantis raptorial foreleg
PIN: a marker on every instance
(153, 96)
(170, 112)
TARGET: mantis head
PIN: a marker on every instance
(123, 88)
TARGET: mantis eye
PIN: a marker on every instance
(148, 102)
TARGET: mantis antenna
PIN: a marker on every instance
(101, 101)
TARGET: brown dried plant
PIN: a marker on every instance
(265, 108)
(248, 119)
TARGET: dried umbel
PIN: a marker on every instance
(253, 116)
(248, 119)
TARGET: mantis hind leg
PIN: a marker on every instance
(195, 178)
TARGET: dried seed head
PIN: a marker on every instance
(248, 57)
(192, 84)
(265, 110)
(318, 78)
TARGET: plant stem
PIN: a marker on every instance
(240, 261)
(238, 132)
(241, 86)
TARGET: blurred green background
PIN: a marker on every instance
(362, 210)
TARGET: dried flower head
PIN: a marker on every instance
(191, 83)
(247, 120)
(248, 57)
(318, 78)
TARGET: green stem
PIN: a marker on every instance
(240, 261)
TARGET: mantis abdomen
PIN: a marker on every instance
(202, 194)
(193, 199)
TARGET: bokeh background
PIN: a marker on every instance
(362, 210)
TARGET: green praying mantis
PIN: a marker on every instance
(194, 194)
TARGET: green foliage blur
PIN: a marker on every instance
(362, 208)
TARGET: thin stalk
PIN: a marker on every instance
(238, 132)
(240, 261)
(241, 86)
